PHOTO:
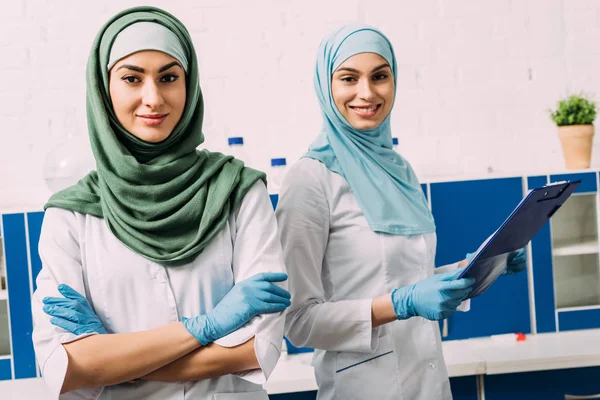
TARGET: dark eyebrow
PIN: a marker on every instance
(142, 70)
(358, 72)
(166, 67)
(132, 67)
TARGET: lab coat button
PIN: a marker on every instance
(432, 365)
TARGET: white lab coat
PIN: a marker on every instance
(336, 266)
(130, 293)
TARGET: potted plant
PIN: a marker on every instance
(574, 117)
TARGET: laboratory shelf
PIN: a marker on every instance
(580, 308)
(575, 247)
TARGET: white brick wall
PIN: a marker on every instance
(475, 77)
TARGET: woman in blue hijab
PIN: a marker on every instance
(359, 239)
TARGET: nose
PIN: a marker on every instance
(151, 96)
(365, 90)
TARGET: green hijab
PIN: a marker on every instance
(165, 201)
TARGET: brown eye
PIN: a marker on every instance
(130, 79)
(169, 78)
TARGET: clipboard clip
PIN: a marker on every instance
(553, 192)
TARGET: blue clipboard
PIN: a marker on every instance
(530, 215)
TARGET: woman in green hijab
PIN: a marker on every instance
(159, 268)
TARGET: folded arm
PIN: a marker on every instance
(208, 362)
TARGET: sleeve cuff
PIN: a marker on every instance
(267, 355)
(238, 337)
(54, 371)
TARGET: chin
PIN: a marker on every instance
(152, 136)
(366, 125)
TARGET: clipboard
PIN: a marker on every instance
(530, 215)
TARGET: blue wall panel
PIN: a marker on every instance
(466, 213)
(19, 295)
(34, 223)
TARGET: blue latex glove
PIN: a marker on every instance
(73, 313)
(516, 262)
(253, 296)
(434, 298)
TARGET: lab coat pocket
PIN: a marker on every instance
(259, 395)
(367, 375)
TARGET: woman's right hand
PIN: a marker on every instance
(247, 299)
(434, 298)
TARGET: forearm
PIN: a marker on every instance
(208, 362)
(102, 360)
(382, 311)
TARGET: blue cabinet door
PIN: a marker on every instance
(18, 280)
(543, 385)
(542, 265)
(466, 213)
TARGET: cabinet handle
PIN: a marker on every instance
(576, 397)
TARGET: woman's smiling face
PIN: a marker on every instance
(148, 94)
(363, 90)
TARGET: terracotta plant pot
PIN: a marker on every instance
(576, 143)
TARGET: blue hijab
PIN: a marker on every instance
(383, 182)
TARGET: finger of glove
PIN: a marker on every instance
(72, 305)
(273, 298)
(68, 326)
(65, 313)
(469, 257)
(458, 284)
(69, 292)
(270, 308)
(516, 257)
(450, 275)
(458, 294)
(270, 277)
(276, 290)
(57, 301)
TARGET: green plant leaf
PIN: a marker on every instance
(574, 110)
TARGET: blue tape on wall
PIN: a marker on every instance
(19, 296)
(34, 222)
(5, 372)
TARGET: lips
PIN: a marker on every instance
(152, 119)
(366, 111)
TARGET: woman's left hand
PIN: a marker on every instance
(72, 312)
(517, 262)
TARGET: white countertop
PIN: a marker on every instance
(540, 352)
(480, 356)
(463, 358)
